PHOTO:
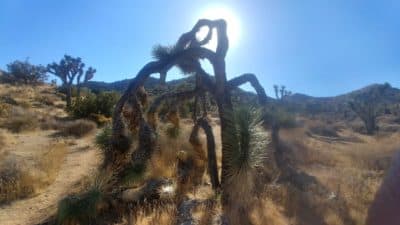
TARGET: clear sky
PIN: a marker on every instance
(318, 47)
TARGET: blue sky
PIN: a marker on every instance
(320, 48)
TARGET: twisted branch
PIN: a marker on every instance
(252, 79)
(211, 154)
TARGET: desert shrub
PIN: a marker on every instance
(24, 104)
(103, 138)
(24, 72)
(172, 132)
(4, 109)
(46, 99)
(101, 103)
(185, 109)
(389, 128)
(80, 209)
(78, 128)
(358, 127)
(134, 173)
(84, 106)
(8, 100)
(49, 123)
(14, 182)
(278, 116)
(105, 102)
(100, 119)
(324, 130)
(20, 120)
(2, 138)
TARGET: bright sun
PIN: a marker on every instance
(233, 23)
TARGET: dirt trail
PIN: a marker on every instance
(81, 160)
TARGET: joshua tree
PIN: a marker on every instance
(67, 70)
(276, 90)
(282, 92)
(186, 54)
(369, 106)
(89, 74)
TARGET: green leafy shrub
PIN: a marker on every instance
(101, 103)
(105, 102)
(84, 106)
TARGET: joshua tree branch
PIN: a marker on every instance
(144, 73)
(252, 79)
(212, 158)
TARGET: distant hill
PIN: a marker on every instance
(150, 85)
(296, 102)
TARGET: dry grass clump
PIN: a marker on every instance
(323, 130)
(18, 180)
(14, 182)
(19, 120)
(4, 109)
(163, 214)
(3, 138)
(351, 170)
(78, 128)
(47, 99)
(163, 161)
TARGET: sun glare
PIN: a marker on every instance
(233, 23)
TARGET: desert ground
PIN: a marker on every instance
(41, 163)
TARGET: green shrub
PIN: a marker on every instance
(105, 102)
(80, 209)
(103, 138)
(84, 106)
(134, 173)
(279, 116)
(101, 103)
(173, 132)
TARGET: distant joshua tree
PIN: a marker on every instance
(281, 93)
(67, 70)
(369, 106)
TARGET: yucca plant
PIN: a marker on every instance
(134, 173)
(80, 209)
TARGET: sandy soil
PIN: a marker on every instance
(81, 160)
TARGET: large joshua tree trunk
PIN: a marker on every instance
(68, 95)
